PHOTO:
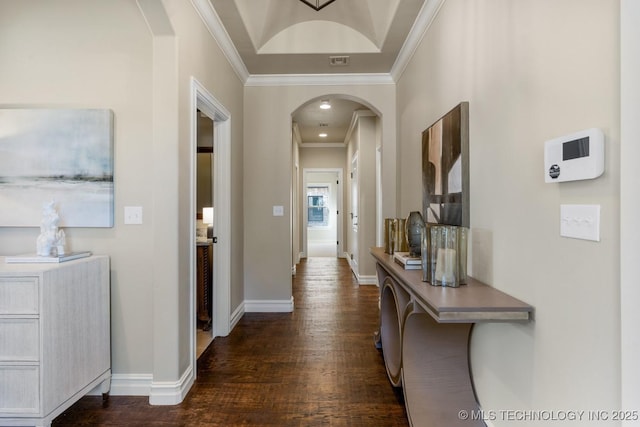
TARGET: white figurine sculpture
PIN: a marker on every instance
(50, 237)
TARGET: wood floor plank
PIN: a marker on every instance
(316, 366)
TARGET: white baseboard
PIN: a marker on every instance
(160, 393)
(304, 255)
(127, 385)
(362, 280)
(268, 306)
(171, 392)
(367, 280)
(236, 316)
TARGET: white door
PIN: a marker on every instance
(322, 209)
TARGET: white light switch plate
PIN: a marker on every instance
(133, 214)
(278, 211)
(580, 222)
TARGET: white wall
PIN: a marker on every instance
(530, 71)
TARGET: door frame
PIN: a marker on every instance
(305, 207)
(201, 99)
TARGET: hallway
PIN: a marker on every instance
(313, 367)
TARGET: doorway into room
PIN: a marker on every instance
(322, 205)
(217, 222)
(205, 212)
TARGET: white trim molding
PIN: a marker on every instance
(219, 33)
(319, 79)
(367, 280)
(420, 27)
(629, 204)
(237, 315)
(361, 279)
(212, 21)
(268, 306)
(127, 385)
(171, 392)
(322, 145)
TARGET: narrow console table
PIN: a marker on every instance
(54, 337)
(424, 334)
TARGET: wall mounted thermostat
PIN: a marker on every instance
(574, 157)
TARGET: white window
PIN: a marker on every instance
(318, 209)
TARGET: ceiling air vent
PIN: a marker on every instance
(336, 61)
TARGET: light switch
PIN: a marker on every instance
(133, 214)
(580, 222)
(278, 211)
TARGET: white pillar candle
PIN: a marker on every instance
(446, 265)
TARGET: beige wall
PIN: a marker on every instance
(323, 158)
(530, 71)
(95, 55)
(365, 143)
(267, 178)
(73, 53)
(199, 56)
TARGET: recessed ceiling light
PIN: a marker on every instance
(325, 105)
(322, 135)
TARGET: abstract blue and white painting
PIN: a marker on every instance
(60, 155)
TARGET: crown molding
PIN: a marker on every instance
(319, 79)
(214, 25)
(354, 121)
(322, 145)
(212, 21)
(422, 23)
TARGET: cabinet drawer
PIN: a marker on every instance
(19, 340)
(18, 295)
(19, 390)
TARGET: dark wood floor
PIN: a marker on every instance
(317, 366)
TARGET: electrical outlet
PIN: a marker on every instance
(133, 214)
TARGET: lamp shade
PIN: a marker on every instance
(207, 215)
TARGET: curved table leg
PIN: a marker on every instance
(435, 372)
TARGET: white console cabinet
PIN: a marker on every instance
(54, 337)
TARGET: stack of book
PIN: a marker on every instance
(408, 262)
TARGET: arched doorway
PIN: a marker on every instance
(328, 139)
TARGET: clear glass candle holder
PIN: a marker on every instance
(448, 255)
